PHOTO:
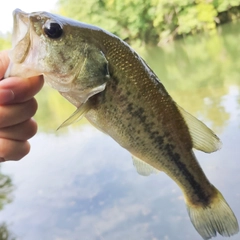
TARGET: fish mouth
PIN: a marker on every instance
(20, 26)
(20, 36)
(21, 44)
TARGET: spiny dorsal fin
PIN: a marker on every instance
(142, 167)
(77, 115)
(203, 138)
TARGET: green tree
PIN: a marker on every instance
(152, 21)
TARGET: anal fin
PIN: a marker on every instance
(142, 167)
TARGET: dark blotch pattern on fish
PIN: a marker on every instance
(169, 149)
(175, 157)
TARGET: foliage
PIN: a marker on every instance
(5, 42)
(151, 21)
(6, 188)
(5, 234)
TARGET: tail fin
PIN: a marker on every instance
(216, 217)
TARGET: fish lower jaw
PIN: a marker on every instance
(17, 70)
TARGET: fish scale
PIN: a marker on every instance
(112, 86)
(137, 141)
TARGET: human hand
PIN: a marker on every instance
(17, 106)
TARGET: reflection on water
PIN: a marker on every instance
(6, 188)
(4, 233)
(200, 70)
(79, 184)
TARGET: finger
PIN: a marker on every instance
(20, 132)
(21, 148)
(17, 113)
(22, 88)
(4, 62)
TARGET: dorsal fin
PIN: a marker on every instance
(142, 167)
(77, 115)
(203, 138)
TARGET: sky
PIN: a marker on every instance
(6, 20)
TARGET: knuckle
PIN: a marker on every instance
(32, 107)
(30, 129)
(13, 150)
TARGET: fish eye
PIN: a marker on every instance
(53, 29)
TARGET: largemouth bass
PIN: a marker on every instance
(112, 86)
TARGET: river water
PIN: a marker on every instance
(77, 183)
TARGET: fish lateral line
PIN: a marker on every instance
(156, 128)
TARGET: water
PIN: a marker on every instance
(78, 183)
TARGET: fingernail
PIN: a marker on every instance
(6, 96)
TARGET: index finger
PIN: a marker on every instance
(4, 62)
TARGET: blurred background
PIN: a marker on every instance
(77, 183)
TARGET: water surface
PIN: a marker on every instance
(78, 183)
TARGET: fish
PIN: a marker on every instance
(115, 89)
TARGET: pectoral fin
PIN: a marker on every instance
(142, 167)
(203, 138)
(77, 115)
